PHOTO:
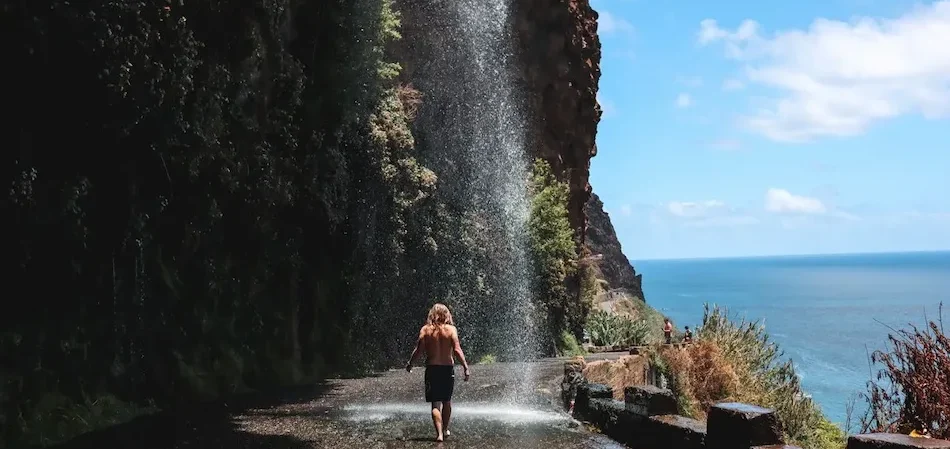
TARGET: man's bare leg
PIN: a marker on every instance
(437, 420)
(446, 416)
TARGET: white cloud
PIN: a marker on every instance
(838, 78)
(707, 214)
(683, 100)
(732, 84)
(607, 23)
(727, 221)
(688, 209)
(783, 201)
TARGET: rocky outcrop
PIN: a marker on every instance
(614, 268)
(560, 54)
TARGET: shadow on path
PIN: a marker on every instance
(211, 425)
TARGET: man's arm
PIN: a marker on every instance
(458, 350)
(416, 350)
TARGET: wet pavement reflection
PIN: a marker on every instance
(498, 408)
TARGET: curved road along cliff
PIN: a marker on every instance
(385, 411)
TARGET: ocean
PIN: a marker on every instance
(826, 312)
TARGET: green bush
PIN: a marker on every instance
(607, 329)
(554, 254)
(568, 345)
(766, 380)
(487, 359)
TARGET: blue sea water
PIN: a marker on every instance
(826, 312)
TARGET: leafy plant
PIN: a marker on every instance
(553, 252)
(487, 359)
(607, 329)
(568, 346)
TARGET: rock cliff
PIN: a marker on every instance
(560, 54)
(614, 268)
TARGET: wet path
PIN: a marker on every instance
(386, 411)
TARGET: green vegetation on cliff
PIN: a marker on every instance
(203, 199)
(554, 253)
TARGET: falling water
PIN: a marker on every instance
(474, 128)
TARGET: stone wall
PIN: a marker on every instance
(647, 419)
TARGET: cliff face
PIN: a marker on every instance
(615, 268)
(560, 54)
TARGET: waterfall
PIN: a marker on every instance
(474, 127)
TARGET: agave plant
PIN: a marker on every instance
(607, 329)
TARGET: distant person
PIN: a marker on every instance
(668, 331)
(688, 336)
(439, 340)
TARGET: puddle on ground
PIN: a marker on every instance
(489, 412)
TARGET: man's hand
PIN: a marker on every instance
(467, 373)
(408, 367)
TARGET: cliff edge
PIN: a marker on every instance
(615, 269)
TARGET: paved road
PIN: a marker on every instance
(503, 405)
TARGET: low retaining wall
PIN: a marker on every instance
(647, 419)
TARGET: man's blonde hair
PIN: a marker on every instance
(439, 314)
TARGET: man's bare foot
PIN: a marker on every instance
(447, 433)
(439, 439)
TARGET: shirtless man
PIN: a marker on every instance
(439, 340)
(668, 331)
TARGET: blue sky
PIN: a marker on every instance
(743, 128)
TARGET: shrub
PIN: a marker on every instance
(734, 360)
(553, 252)
(607, 329)
(568, 346)
(912, 389)
(487, 359)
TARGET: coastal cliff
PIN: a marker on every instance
(614, 268)
(560, 59)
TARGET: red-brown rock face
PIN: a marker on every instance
(560, 52)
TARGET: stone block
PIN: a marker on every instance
(894, 441)
(587, 392)
(733, 425)
(613, 420)
(599, 391)
(648, 400)
(672, 432)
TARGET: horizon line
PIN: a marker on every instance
(766, 256)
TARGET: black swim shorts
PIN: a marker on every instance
(440, 383)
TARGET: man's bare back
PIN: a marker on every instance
(439, 343)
